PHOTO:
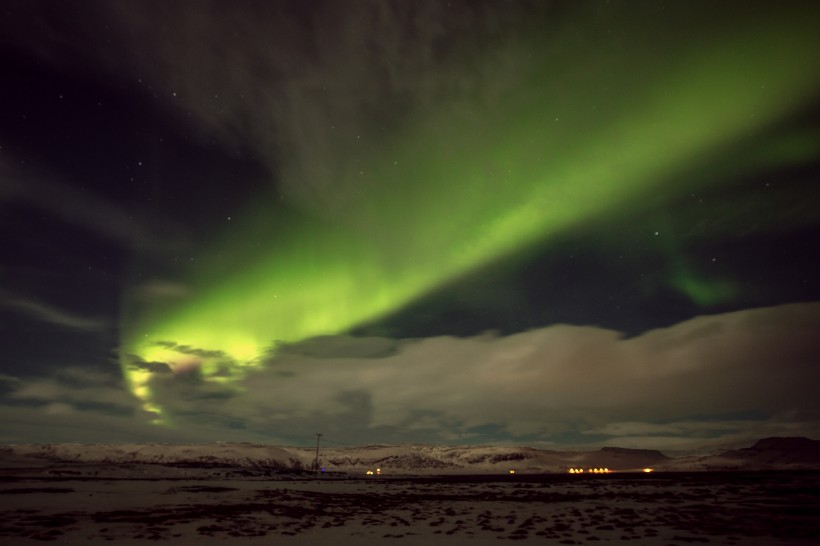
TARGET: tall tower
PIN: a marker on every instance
(316, 460)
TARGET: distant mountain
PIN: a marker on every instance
(621, 458)
(790, 451)
(794, 453)
(243, 459)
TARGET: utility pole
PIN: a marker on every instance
(316, 461)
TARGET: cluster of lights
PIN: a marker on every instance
(590, 471)
(377, 472)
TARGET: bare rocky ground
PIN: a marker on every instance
(756, 508)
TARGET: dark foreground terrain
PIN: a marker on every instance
(759, 508)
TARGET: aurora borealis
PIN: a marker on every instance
(251, 220)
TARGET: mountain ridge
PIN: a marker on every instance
(773, 453)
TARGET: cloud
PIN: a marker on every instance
(160, 290)
(640, 428)
(307, 89)
(43, 312)
(78, 388)
(8, 383)
(545, 383)
(82, 405)
(339, 347)
(134, 362)
(194, 351)
(64, 423)
(686, 437)
(187, 359)
(707, 383)
(104, 218)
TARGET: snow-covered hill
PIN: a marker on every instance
(795, 453)
(256, 459)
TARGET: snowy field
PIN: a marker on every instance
(759, 508)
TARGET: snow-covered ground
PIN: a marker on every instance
(255, 494)
(661, 508)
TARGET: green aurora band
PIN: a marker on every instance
(452, 191)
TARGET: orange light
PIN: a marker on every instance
(590, 470)
(648, 470)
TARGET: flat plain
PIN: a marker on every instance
(733, 508)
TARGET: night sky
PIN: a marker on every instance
(559, 224)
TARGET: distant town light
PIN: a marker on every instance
(648, 470)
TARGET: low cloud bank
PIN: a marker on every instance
(707, 381)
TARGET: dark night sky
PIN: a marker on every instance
(546, 223)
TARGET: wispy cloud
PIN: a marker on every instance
(49, 314)
(104, 218)
(324, 95)
(76, 387)
(159, 290)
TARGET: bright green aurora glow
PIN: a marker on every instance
(466, 183)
